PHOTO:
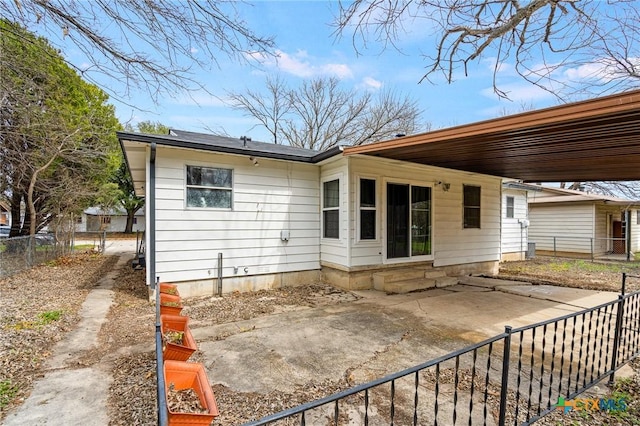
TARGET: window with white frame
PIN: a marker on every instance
(367, 209)
(209, 187)
(331, 209)
(510, 207)
(471, 203)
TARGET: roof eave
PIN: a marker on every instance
(172, 142)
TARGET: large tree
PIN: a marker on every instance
(149, 44)
(546, 41)
(57, 132)
(321, 113)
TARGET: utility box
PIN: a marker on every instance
(531, 251)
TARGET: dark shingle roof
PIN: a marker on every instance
(216, 143)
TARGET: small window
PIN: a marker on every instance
(106, 219)
(79, 220)
(471, 206)
(510, 207)
(135, 220)
(367, 209)
(331, 209)
(209, 187)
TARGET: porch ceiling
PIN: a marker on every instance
(593, 140)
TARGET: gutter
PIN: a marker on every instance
(173, 142)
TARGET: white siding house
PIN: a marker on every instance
(95, 219)
(515, 222)
(277, 215)
(574, 223)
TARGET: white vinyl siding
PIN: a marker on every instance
(514, 235)
(268, 199)
(451, 244)
(572, 225)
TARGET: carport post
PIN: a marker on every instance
(505, 375)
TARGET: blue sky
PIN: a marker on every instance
(307, 48)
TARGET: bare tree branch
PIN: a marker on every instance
(320, 114)
(545, 39)
(152, 45)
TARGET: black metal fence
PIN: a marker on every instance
(21, 253)
(513, 378)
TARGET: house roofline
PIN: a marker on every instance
(175, 142)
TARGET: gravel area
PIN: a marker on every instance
(30, 328)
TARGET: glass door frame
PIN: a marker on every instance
(385, 231)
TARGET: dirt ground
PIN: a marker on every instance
(34, 316)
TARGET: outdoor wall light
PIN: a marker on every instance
(254, 160)
(444, 185)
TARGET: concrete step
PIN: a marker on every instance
(417, 284)
(446, 281)
(434, 273)
(380, 279)
(407, 286)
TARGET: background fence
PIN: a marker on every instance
(20, 253)
(513, 378)
(587, 247)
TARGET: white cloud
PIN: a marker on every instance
(339, 70)
(371, 83)
(301, 64)
(605, 70)
(193, 50)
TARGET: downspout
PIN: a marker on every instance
(152, 214)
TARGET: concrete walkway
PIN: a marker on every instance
(68, 395)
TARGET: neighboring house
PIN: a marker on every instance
(279, 215)
(515, 222)
(568, 222)
(5, 214)
(95, 219)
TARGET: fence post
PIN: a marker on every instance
(505, 375)
(616, 338)
(592, 256)
(554, 247)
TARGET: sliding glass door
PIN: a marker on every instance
(408, 221)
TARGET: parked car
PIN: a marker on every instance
(4, 231)
(45, 239)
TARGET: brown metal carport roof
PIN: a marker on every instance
(593, 140)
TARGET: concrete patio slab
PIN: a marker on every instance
(375, 335)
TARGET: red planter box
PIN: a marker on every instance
(170, 310)
(185, 375)
(174, 351)
(167, 288)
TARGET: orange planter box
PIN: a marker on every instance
(168, 288)
(170, 310)
(185, 375)
(174, 351)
